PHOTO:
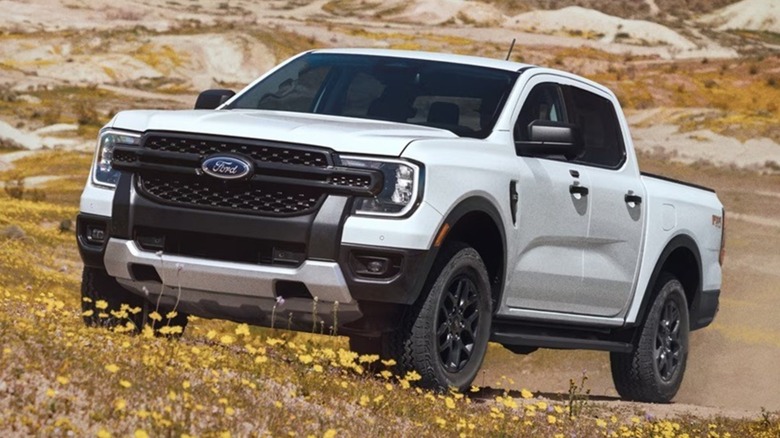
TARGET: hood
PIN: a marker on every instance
(342, 134)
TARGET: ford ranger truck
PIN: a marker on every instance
(421, 204)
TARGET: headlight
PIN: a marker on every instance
(402, 186)
(102, 173)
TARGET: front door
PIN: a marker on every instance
(553, 216)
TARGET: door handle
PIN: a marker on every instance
(633, 199)
(578, 190)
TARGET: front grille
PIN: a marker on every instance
(241, 197)
(287, 180)
(357, 181)
(260, 152)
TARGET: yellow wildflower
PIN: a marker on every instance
(140, 434)
(62, 380)
(154, 316)
(242, 330)
(120, 404)
(412, 376)
(102, 433)
(227, 339)
(305, 358)
(101, 304)
(449, 402)
(330, 433)
(125, 383)
(526, 394)
(112, 368)
(551, 419)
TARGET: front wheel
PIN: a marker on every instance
(445, 335)
(654, 370)
(107, 304)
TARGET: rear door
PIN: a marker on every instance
(614, 239)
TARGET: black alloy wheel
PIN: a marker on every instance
(458, 323)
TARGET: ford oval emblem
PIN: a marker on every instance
(226, 167)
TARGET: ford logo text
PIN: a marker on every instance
(225, 167)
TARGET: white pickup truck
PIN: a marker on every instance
(423, 204)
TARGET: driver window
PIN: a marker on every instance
(544, 102)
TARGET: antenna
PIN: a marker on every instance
(510, 49)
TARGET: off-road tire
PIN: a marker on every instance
(654, 370)
(98, 286)
(418, 344)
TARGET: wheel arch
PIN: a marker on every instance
(681, 258)
(477, 222)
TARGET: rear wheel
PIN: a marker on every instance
(654, 371)
(445, 335)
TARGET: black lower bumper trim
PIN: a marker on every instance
(402, 288)
(91, 252)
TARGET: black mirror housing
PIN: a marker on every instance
(551, 138)
(211, 99)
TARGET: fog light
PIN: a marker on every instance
(96, 234)
(377, 266)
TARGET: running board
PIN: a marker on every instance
(560, 342)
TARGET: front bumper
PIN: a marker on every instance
(240, 291)
(205, 283)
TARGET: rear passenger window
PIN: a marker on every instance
(597, 120)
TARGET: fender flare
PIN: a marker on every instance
(677, 242)
(482, 205)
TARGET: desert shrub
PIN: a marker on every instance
(86, 114)
(14, 187)
(12, 232)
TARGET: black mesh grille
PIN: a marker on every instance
(206, 192)
(350, 180)
(125, 156)
(270, 154)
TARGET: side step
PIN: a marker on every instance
(559, 342)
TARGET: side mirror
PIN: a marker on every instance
(210, 99)
(551, 138)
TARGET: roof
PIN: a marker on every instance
(433, 56)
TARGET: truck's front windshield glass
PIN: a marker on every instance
(461, 98)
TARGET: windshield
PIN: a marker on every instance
(461, 98)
